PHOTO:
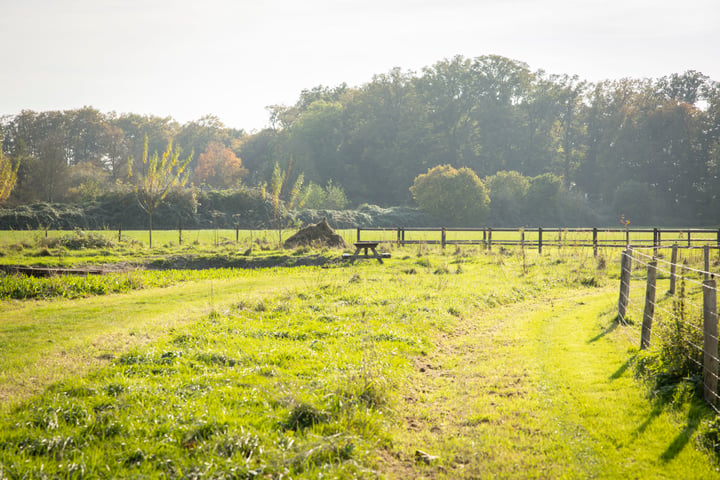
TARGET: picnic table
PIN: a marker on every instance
(366, 246)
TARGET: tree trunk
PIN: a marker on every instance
(150, 215)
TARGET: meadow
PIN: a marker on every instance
(454, 363)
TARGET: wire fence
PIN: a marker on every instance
(539, 237)
(669, 307)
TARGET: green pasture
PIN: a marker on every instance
(551, 237)
(210, 237)
(459, 363)
(244, 238)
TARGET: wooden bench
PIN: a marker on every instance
(366, 246)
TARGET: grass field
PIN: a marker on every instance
(454, 364)
(218, 237)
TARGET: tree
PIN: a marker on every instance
(158, 175)
(8, 176)
(507, 193)
(332, 197)
(218, 166)
(282, 199)
(543, 196)
(455, 196)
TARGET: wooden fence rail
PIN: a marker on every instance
(546, 237)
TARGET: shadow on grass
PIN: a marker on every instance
(697, 411)
(656, 411)
(611, 328)
(623, 368)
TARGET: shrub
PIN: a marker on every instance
(507, 192)
(543, 195)
(456, 196)
(79, 240)
(332, 197)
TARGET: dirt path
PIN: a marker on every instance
(537, 390)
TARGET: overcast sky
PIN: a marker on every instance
(232, 58)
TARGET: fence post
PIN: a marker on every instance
(120, 233)
(649, 311)
(689, 232)
(485, 237)
(625, 272)
(627, 236)
(522, 238)
(673, 268)
(706, 254)
(403, 236)
(237, 234)
(398, 236)
(358, 234)
(710, 342)
(656, 241)
(179, 233)
(539, 240)
(489, 239)
(442, 238)
(595, 241)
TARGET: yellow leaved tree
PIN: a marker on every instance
(158, 175)
(8, 176)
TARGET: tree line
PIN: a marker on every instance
(645, 148)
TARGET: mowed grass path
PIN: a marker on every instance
(540, 389)
(483, 366)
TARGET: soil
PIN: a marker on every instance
(317, 235)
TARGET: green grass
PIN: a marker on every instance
(460, 364)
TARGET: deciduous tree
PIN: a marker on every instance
(218, 166)
(456, 196)
(8, 176)
(157, 176)
(282, 197)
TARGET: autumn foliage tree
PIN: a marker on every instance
(218, 166)
(457, 196)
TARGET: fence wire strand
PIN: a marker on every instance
(679, 317)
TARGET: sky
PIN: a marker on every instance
(233, 58)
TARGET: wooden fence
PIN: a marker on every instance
(545, 237)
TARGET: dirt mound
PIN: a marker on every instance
(319, 234)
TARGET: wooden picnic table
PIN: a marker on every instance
(366, 246)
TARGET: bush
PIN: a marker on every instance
(543, 195)
(331, 197)
(458, 197)
(507, 192)
(79, 240)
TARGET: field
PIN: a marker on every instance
(455, 363)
